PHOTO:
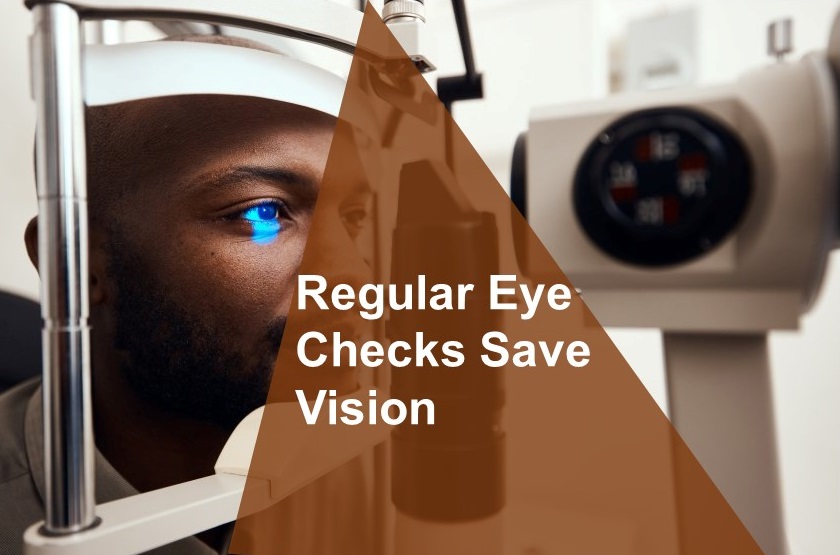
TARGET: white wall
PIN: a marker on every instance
(17, 134)
(531, 52)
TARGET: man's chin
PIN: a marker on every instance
(222, 398)
(182, 359)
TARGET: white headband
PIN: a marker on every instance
(124, 72)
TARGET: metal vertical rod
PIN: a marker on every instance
(721, 402)
(63, 266)
(107, 31)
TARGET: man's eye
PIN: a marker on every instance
(263, 212)
(265, 221)
(355, 220)
(355, 217)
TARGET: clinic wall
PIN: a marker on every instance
(531, 53)
(18, 200)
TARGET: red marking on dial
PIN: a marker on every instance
(624, 192)
(643, 149)
(671, 210)
(692, 162)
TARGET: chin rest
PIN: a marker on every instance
(293, 454)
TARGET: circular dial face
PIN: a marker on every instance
(662, 187)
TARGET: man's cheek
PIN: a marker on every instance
(260, 277)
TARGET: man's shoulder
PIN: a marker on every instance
(13, 403)
(20, 504)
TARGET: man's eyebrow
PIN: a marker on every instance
(279, 175)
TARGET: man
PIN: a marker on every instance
(200, 208)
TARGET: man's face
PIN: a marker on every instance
(203, 248)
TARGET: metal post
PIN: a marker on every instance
(107, 31)
(721, 403)
(63, 265)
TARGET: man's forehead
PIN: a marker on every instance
(169, 141)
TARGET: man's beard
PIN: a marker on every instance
(178, 361)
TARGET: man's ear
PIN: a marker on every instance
(98, 264)
(30, 237)
(96, 259)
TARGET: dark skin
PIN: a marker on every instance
(196, 169)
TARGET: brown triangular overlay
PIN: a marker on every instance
(530, 460)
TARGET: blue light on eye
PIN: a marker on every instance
(264, 220)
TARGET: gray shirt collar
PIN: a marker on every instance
(110, 485)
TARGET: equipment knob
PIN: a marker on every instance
(410, 9)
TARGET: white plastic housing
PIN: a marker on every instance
(768, 272)
(125, 72)
(414, 39)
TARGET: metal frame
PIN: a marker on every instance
(105, 31)
(63, 224)
(63, 265)
(318, 21)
